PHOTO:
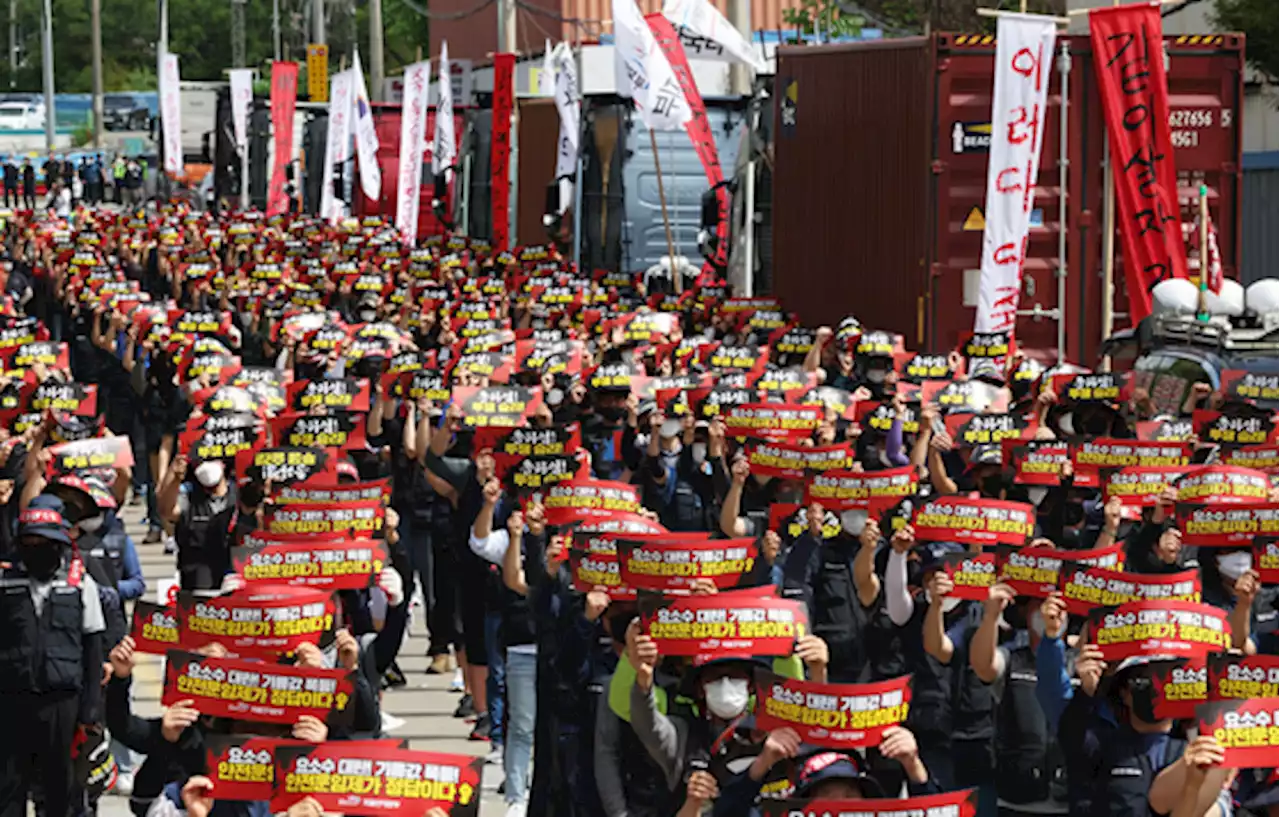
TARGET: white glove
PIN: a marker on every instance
(391, 584)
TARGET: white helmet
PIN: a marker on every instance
(1229, 302)
(1263, 297)
(1176, 296)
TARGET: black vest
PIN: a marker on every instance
(642, 780)
(838, 615)
(1028, 758)
(190, 534)
(1124, 775)
(39, 652)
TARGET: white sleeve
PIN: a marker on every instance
(897, 599)
(93, 621)
(492, 548)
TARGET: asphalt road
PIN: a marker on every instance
(425, 706)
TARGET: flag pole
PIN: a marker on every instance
(676, 276)
(1203, 308)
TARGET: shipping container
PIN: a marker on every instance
(537, 138)
(879, 183)
(386, 120)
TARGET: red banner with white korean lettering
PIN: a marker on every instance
(1226, 525)
(704, 143)
(1083, 587)
(253, 690)
(1245, 729)
(500, 151)
(978, 521)
(733, 623)
(284, 98)
(359, 778)
(256, 622)
(1173, 628)
(1128, 59)
(1023, 66)
(841, 716)
(862, 490)
(673, 565)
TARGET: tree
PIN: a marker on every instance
(1261, 27)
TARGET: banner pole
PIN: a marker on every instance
(577, 217)
(677, 277)
(1108, 241)
(1202, 310)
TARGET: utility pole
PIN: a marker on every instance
(377, 68)
(50, 114)
(275, 27)
(95, 34)
(506, 27)
(237, 33)
(740, 18)
(13, 44)
(317, 22)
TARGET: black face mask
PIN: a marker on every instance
(1015, 615)
(40, 560)
(251, 496)
(991, 485)
(567, 412)
(1072, 514)
(618, 627)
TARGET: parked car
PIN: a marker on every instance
(124, 112)
(21, 116)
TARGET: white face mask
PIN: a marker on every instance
(670, 428)
(367, 315)
(209, 473)
(1233, 565)
(1037, 495)
(1035, 623)
(92, 524)
(727, 697)
(950, 603)
(853, 522)
(699, 453)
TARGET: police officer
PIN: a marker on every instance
(50, 660)
(28, 184)
(10, 182)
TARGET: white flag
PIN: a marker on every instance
(547, 76)
(1024, 59)
(568, 106)
(337, 142)
(413, 141)
(444, 144)
(643, 73)
(241, 99)
(706, 34)
(366, 137)
(171, 113)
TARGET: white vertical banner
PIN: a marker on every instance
(643, 73)
(241, 99)
(444, 143)
(547, 74)
(706, 34)
(1024, 59)
(366, 136)
(171, 112)
(337, 142)
(413, 142)
(568, 106)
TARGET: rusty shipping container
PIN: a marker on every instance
(880, 180)
(386, 121)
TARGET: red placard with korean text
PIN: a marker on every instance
(154, 627)
(354, 519)
(1128, 58)
(364, 780)
(961, 803)
(1226, 525)
(1266, 559)
(588, 499)
(1083, 587)
(1035, 462)
(1174, 628)
(738, 622)
(242, 767)
(797, 461)
(256, 622)
(978, 521)
(772, 421)
(255, 691)
(1223, 485)
(1234, 676)
(1139, 486)
(671, 566)
(872, 490)
(841, 716)
(1103, 454)
(348, 564)
(971, 574)
(1245, 729)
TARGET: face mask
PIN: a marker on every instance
(1233, 565)
(670, 428)
(92, 524)
(1066, 424)
(727, 697)
(1037, 495)
(555, 397)
(209, 473)
(853, 522)
(950, 603)
(611, 413)
(699, 453)
(876, 375)
(40, 560)
(367, 315)
(992, 485)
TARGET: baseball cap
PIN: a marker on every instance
(933, 554)
(985, 454)
(823, 766)
(44, 518)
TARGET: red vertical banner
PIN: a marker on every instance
(1128, 56)
(284, 98)
(704, 143)
(500, 153)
